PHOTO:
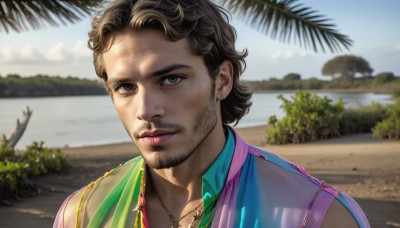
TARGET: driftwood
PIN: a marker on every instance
(19, 129)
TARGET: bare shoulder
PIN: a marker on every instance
(338, 216)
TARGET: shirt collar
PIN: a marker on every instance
(214, 178)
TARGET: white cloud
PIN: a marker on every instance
(7, 54)
(281, 55)
(304, 54)
(80, 49)
(58, 53)
(288, 54)
(27, 54)
(385, 51)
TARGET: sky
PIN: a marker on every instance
(373, 25)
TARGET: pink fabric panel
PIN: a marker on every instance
(225, 210)
(241, 150)
(59, 220)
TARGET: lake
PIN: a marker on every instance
(92, 120)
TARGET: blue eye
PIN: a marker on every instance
(124, 88)
(171, 80)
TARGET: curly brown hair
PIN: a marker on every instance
(203, 23)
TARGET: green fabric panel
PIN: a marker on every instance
(110, 199)
(124, 203)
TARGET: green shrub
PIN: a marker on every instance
(14, 182)
(41, 159)
(12, 174)
(6, 152)
(15, 170)
(387, 129)
(363, 119)
(396, 93)
(308, 117)
(390, 127)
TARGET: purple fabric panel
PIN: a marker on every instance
(225, 208)
(225, 211)
(59, 220)
(241, 150)
(321, 205)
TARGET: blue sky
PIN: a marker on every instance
(372, 24)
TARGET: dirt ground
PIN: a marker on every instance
(365, 168)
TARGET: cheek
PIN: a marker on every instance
(125, 111)
(194, 101)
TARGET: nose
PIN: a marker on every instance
(149, 105)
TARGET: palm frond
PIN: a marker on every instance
(288, 21)
(24, 14)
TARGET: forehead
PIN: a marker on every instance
(145, 50)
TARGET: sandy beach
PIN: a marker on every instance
(365, 168)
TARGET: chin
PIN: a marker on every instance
(164, 159)
(161, 163)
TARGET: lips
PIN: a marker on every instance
(154, 138)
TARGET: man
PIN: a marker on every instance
(172, 71)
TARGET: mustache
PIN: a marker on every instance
(159, 125)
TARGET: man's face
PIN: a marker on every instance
(163, 95)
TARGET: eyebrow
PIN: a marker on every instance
(169, 69)
(117, 81)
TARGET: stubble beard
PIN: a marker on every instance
(203, 125)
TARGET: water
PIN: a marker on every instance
(92, 120)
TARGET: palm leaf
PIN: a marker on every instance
(288, 21)
(24, 14)
(285, 19)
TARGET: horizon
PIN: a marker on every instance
(371, 24)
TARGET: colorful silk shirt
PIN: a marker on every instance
(244, 187)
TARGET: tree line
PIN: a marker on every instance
(13, 85)
(346, 72)
(385, 82)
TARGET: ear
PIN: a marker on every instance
(224, 80)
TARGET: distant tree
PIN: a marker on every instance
(346, 66)
(384, 77)
(44, 85)
(292, 77)
(15, 76)
(312, 83)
